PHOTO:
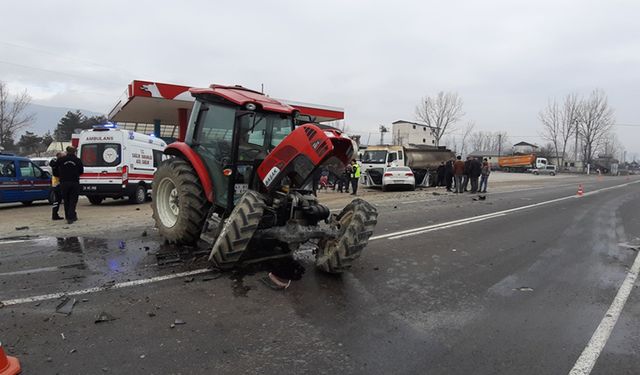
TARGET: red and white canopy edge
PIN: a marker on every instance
(149, 102)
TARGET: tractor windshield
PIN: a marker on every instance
(258, 133)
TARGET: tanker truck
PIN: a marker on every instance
(422, 159)
(521, 163)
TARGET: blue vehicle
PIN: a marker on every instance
(23, 181)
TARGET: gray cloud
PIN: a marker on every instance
(374, 58)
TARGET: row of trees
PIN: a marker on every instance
(582, 123)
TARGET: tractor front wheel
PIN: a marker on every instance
(237, 230)
(355, 225)
(179, 203)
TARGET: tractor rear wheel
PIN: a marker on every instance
(237, 230)
(355, 225)
(179, 203)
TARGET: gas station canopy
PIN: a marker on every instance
(162, 103)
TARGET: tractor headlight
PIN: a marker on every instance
(250, 106)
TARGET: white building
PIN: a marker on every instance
(407, 132)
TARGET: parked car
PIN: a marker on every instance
(398, 176)
(23, 181)
(550, 170)
(43, 163)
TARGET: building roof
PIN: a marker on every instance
(525, 144)
(410, 122)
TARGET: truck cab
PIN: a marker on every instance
(376, 159)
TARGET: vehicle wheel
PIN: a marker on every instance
(94, 199)
(535, 173)
(140, 195)
(412, 187)
(179, 203)
(237, 230)
(27, 203)
(385, 188)
(553, 173)
(355, 225)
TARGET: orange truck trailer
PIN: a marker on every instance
(521, 163)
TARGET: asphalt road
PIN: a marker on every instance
(519, 283)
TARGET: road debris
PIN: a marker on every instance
(22, 228)
(524, 289)
(66, 306)
(179, 322)
(104, 317)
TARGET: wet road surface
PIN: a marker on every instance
(518, 292)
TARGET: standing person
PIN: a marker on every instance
(55, 186)
(465, 174)
(484, 176)
(448, 174)
(355, 176)
(345, 179)
(440, 174)
(475, 169)
(458, 171)
(70, 169)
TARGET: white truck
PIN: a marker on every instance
(118, 163)
(422, 159)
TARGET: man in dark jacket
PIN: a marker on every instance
(448, 174)
(440, 180)
(465, 174)
(70, 168)
(475, 169)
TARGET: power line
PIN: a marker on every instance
(55, 72)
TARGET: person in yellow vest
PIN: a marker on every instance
(55, 186)
(355, 176)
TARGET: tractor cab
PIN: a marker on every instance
(232, 140)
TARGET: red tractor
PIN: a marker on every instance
(242, 181)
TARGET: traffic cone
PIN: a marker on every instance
(8, 365)
(580, 191)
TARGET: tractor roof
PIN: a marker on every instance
(241, 96)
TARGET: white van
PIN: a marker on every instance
(118, 163)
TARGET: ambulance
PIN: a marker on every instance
(118, 163)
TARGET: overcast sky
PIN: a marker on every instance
(376, 59)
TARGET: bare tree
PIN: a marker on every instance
(611, 146)
(459, 144)
(595, 119)
(440, 112)
(12, 114)
(569, 122)
(489, 141)
(551, 119)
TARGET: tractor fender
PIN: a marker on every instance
(183, 150)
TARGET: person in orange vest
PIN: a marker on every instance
(55, 186)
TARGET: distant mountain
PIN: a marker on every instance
(47, 118)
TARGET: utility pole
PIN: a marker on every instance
(499, 145)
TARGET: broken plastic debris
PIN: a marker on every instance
(179, 322)
(524, 289)
(22, 228)
(121, 245)
(104, 317)
(66, 306)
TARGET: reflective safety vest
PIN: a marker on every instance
(356, 170)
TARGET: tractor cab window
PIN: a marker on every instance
(281, 129)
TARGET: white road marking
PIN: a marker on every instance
(592, 351)
(33, 270)
(19, 241)
(439, 227)
(474, 219)
(126, 284)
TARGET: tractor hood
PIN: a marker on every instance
(302, 152)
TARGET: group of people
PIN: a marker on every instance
(348, 178)
(66, 169)
(458, 174)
